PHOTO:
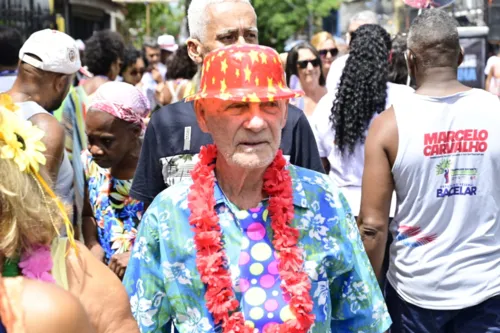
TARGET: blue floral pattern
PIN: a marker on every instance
(162, 274)
(116, 213)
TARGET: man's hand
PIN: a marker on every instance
(156, 75)
(97, 251)
(118, 263)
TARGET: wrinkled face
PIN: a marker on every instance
(308, 67)
(225, 28)
(133, 73)
(247, 135)
(109, 139)
(152, 55)
(328, 51)
(353, 26)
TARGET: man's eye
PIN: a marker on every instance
(227, 38)
(273, 104)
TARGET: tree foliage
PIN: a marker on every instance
(165, 19)
(278, 20)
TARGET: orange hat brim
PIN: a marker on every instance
(248, 95)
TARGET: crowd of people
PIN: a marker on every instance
(219, 186)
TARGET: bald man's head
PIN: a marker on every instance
(433, 40)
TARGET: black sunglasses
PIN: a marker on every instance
(333, 52)
(303, 64)
(135, 72)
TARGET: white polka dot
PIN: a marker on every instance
(275, 293)
(255, 296)
(254, 281)
(245, 243)
(261, 252)
(256, 269)
(254, 215)
(256, 313)
(270, 315)
(286, 314)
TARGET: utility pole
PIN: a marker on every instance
(148, 19)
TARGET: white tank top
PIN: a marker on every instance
(446, 249)
(64, 183)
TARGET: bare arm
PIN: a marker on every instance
(101, 293)
(53, 140)
(377, 188)
(89, 228)
(488, 79)
(48, 308)
(326, 164)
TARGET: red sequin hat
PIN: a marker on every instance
(246, 73)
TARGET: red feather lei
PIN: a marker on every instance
(211, 259)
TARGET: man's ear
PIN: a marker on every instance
(61, 82)
(195, 50)
(200, 113)
(285, 113)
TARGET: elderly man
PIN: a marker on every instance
(439, 150)
(359, 19)
(173, 138)
(250, 241)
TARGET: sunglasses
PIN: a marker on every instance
(333, 52)
(135, 72)
(303, 64)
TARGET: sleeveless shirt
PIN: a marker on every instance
(64, 183)
(446, 249)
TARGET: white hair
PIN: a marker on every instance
(366, 16)
(197, 16)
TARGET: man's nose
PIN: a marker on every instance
(241, 40)
(256, 122)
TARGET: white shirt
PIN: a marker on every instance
(490, 63)
(335, 73)
(446, 249)
(347, 171)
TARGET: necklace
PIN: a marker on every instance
(211, 259)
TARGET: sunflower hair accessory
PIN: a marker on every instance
(23, 145)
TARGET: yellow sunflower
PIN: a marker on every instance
(6, 102)
(22, 141)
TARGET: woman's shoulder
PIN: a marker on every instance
(48, 308)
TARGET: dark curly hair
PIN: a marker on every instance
(362, 91)
(180, 65)
(130, 57)
(10, 44)
(102, 50)
(293, 57)
(398, 70)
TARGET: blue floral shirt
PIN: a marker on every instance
(163, 282)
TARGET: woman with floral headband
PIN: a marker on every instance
(114, 125)
(31, 214)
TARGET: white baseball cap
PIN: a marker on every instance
(57, 51)
(167, 43)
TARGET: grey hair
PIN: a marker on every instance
(366, 16)
(434, 39)
(150, 42)
(197, 16)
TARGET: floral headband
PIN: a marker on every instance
(23, 145)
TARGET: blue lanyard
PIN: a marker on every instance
(8, 72)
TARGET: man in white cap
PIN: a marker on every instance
(167, 46)
(48, 61)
